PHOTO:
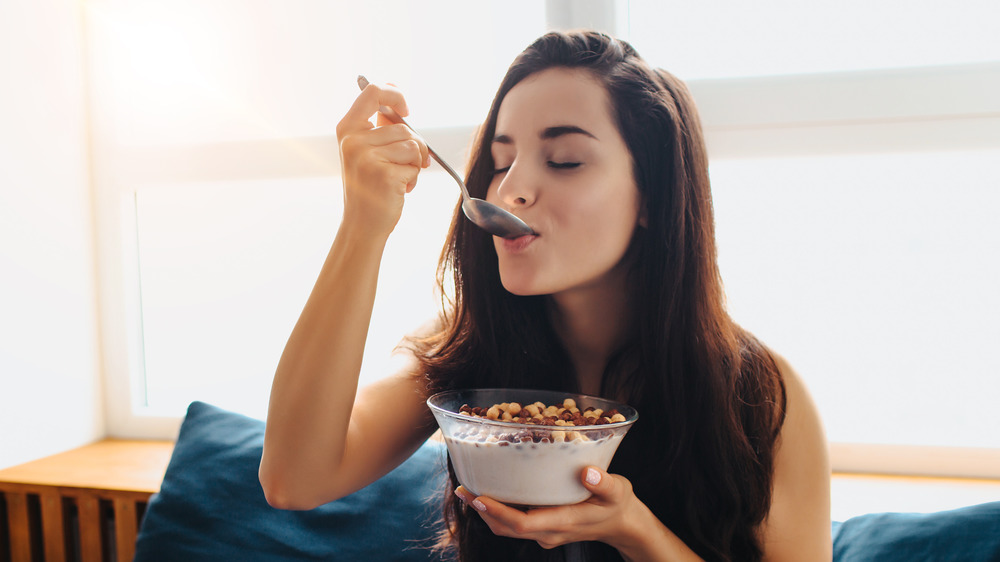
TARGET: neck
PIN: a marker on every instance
(592, 323)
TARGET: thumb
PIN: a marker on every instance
(599, 482)
(607, 488)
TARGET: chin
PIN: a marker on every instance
(520, 286)
(519, 290)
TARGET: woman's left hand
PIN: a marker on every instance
(607, 516)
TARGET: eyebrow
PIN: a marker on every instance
(550, 133)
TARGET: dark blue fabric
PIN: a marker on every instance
(211, 506)
(969, 534)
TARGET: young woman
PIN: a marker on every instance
(617, 295)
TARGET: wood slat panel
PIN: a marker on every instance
(53, 526)
(20, 531)
(89, 509)
(123, 473)
(126, 529)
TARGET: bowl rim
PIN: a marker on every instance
(435, 409)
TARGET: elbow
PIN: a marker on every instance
(281, 493)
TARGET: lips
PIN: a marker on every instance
(518, 244)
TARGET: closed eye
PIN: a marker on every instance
(499, 171)
(563, 165)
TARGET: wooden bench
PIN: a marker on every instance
(84, 504)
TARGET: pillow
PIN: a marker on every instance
(211, 505)
(967, 534)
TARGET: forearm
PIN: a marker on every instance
(646, 539)
(317, 376)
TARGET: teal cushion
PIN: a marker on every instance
(969, 534)
(211, 505)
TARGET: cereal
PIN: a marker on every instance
(527, 453)
(568, 414)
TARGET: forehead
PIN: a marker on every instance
(556, 96)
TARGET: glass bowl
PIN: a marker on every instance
(526, 464)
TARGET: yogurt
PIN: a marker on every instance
(531, 455)
(530, 472)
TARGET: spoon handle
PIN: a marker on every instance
(391, 114)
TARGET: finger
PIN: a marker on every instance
(404, 153)
(403, 160)
(368, 103)
(470, 499)
(525, 524)
(549, 527)
(401, 133)
(606, 488)
(382, 120)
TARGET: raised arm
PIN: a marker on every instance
(323, 438)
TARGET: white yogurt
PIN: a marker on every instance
(530, 473)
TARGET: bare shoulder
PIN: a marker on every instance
(798, 525)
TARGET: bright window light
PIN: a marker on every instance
(876, 276)
(730, 38)
(226, 268)
(189, 72)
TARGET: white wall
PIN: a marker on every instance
(50, 389)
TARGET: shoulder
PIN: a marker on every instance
(798, 524)
(802, 431)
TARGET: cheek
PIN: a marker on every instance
(611, 216)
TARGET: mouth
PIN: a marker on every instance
(518, 244)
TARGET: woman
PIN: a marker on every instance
(618, 295)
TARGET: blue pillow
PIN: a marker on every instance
(211, 505)
(969, 534)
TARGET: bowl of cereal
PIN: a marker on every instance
(529, 447)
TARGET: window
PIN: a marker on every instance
(854, 169)
(875, 275)
(728, 39)
(216, 169)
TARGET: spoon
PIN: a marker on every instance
(486, 216)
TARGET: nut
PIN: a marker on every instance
(568, 414)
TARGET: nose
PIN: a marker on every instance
(516, 189)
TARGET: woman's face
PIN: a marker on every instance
(563, 168)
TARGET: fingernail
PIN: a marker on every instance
(480, 506)
(593, 477)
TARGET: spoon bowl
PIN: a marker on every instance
(483, 214)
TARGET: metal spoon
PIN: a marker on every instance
(486, 216)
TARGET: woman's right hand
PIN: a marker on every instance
(379, 164)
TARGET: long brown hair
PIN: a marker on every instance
(710, 395)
